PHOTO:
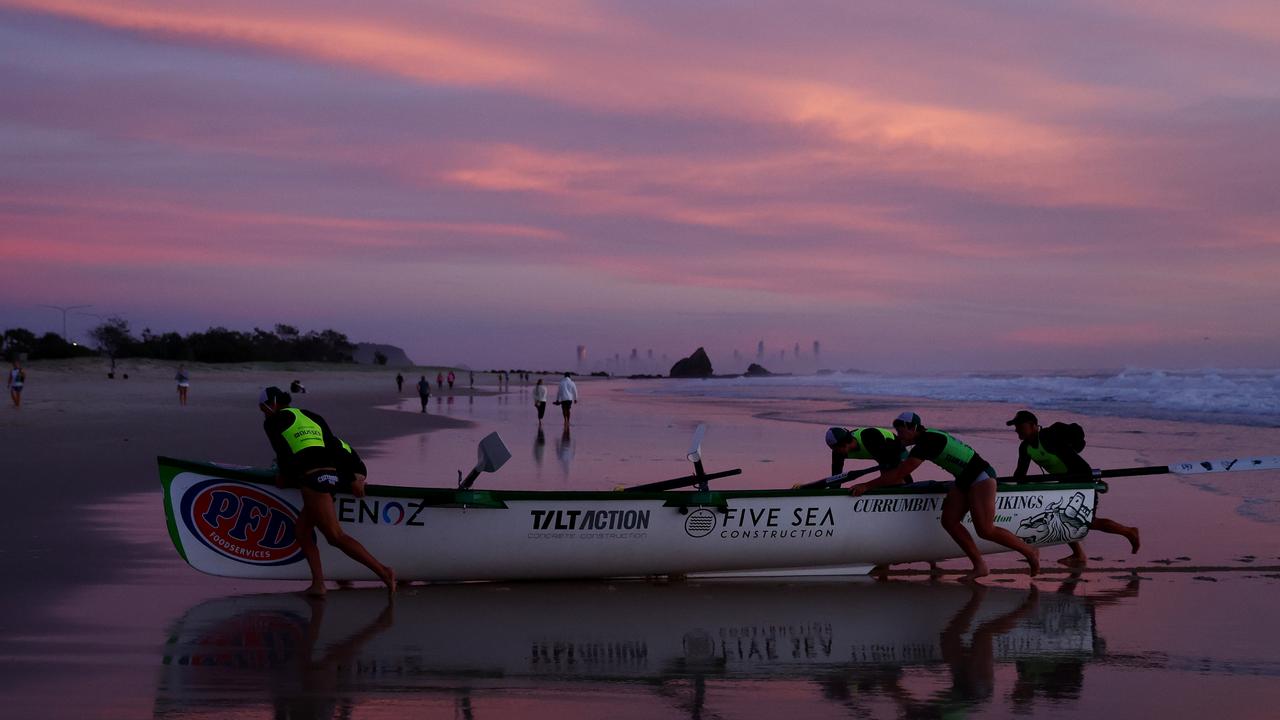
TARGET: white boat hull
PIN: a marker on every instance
(230, 522)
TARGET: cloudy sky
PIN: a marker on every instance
(920, 186)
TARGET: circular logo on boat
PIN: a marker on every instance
(700, 523)
(243, 522)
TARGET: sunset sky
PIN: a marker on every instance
(920, 186)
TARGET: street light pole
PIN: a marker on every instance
(64, 309)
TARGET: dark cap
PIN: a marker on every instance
(909, 419)
(274, 394)
(1023, 416)
(838, 436)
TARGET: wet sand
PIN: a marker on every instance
(98, 598)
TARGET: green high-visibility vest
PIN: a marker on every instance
(954, 456)
(861, 452)
(302, 433)
(1047, 461)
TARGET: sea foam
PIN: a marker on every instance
(1212, 395)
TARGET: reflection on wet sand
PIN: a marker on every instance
(851, 643)
(564, 451)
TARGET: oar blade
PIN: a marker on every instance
(1269, 462)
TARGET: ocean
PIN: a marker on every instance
(1244, 397)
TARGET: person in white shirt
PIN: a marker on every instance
(540, 399)
(566, 396)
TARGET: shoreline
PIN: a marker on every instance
(81, 440)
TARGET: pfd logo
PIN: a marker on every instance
(242, 522)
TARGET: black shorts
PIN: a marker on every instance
(325, 481)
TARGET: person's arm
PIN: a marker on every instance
(274, 429)
(1024, 461)
(837, 463)
(896, 476)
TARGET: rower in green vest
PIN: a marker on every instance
(974, 491)
(310, 457)
(879, 444)
(1053, 449)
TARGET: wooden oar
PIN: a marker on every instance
(1194, 467)
(836, 480)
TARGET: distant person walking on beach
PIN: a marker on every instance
(540, 400)
(440, 381)
(1056, 449)
(399, 383)
(566, 396)
(471, 379)
(974, 491)
(184, 383)
(451, 379)
(309, 456)
(17, 378)
(424, 391)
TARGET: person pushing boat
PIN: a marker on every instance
(870, 443)
(1055, 450)
(974, 491)
(309, 456)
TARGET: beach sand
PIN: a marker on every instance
(95, 593)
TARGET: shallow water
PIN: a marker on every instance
(1186, 627)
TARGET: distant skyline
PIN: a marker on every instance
(919, 187)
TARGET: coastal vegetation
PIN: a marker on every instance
(115, 339)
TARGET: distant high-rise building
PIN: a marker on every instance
(797, 349)
(582, 356)
(817, 348)
(737, 356)
(635, 354)
(650, 353)
(760, 350)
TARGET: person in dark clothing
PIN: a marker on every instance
(424, 391)
(310, 457)
(399, 383)
(1051, 450)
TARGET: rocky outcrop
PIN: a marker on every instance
(754, 370)
(696, 365)
(366, 354)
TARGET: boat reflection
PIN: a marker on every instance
(871, 647)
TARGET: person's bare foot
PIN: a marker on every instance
(1074, 560)
(978, 571)
(316, 590)
(1134, 541)
(389, 578)
(1034, 561)
(879, 571)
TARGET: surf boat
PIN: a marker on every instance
(233, 521)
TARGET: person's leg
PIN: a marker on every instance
(564, 410)
(326, 521)
(1077, 557)
(953, 509)
(306, 538)
(982, 508)
(1111, 526)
